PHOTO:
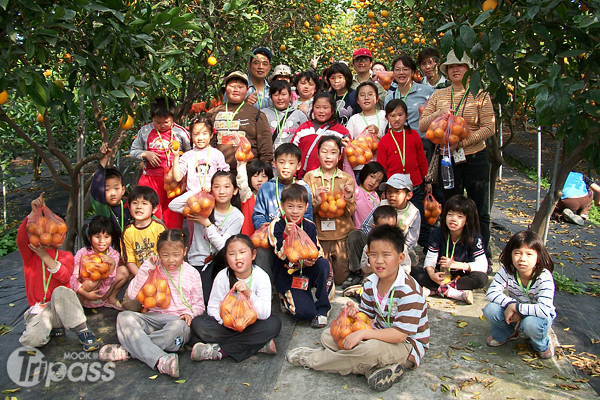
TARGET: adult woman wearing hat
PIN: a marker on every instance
(471, 172)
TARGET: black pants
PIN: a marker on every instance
(237, 345)
(467, 281)
(357, 240)
(417, 200)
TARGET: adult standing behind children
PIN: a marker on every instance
(471, 165)
(362, 60)
(151, 145)
(429, 62)
(237, 117)
(259, 66)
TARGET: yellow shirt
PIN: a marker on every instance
(141, 243)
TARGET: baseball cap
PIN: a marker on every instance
(398, 181)
(362, 52)
(237, 75)
(263, 50)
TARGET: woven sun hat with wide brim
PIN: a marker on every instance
(452, 59)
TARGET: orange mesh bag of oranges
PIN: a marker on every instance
(360, 151)
(332, 205)
(299, 246)
(447, 130)
(155, 292)
(260, 237)
(432, 209)
(236, 311)
(46, 228)
(344, 325)
(93, 268)
(201, 203)
(385, 78)
(243, 152)
(171, 186)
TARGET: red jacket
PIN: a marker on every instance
(32, 266)
(415, 162)
(304, 138)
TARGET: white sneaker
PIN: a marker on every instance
(426, 292)
(570, 216)
(297, 357)
(467, 296)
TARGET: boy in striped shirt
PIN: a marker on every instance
(395, 303)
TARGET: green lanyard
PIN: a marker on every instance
(406, 95)
(168, 148)
(525, 290)
(391, 299)
(121, 225)
(401, 153)
(45, 282)
(220, 226)
(183, 300)
(228, 118)
(340, 102)
(371, 197)
(332, 178)
(365, 118)
(453, 247)
(281, 124)
(250, 281)
(403, 216)
(277, 193)
(259, 99)
(207, 165)
(301, 263)
(461, 100)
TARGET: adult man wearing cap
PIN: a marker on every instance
(259, 66)
(238, 118)
(470, 163)
(362, 59)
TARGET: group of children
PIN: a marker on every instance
(358, 235)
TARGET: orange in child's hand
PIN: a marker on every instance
(361, 159)
(166, 303)
(84, 273)
(103, 267)
(444, 124)
(95, 275)
(31, 229)
(149, 302)
(141, 297)
(175, 145)
(246, 146)
(186, 211)
(62, 228)
(149, 290)
(45, 239)
(161, 285)
(57, 239)
(51, 227)
(160, 299)
(293, 255)
(227, 320)
(196, 208)
(205, 203)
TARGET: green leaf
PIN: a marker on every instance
(570, 53)
(482, 17)
(495, 39)
(409, 3)
(3, 4)
(180, 381)
(37, 93)
(592, 110)
(446, 42)
(474, 87)
(446, 26)
(532, 12)
(505, 66)
(468, 35)
(536, 58)
(492, 73)
(118, 94)
(541, 31)
(211, 8)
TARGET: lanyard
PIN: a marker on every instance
(207, 165)
(277, 193)
(365, 119)
(453, 247)
(340, 102)
(117, 219)
(461, 100)
(219, 227)
(258, 98)
(406, 95)
(403, 216)
(332, 178)
(403, 152)
(250, 281)
(230, 118)
(168, 151)
(371, 197)
(45, 282)
(301, 263)
(281, 123)
(525, 290)
(183, 300)
(391, 299)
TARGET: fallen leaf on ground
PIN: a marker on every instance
(153, 377)
(468, 358)
(180, 381)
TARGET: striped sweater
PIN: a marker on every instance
(408, 314)
(477, 112)
(539, 302)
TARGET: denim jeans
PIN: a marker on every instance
(533, 327)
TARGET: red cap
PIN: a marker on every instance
(362, 52)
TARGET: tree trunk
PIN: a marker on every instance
(496, 161)
(71, 216)
(570, 162)
(37, 162)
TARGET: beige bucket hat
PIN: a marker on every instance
(452, 59)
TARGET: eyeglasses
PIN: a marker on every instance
(366, 95)
(402, 69)
(362, 60)
(257, 63)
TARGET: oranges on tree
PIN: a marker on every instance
(212, 60)
(128, 124)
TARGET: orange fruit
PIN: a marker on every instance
(84, 273)
(51, 227)
(340, 203)
(57, 239)
(361, 159)
(457, 129)
(167, 302)
(352, 159)
(212, 61)
(438, 133)
(127, 124)
(256, 241)
(34, 240)
(160, 299)
(314, 254)
(349, 151)
(453, 139)
(31, 229)
(459, 120)
(95, 275)
(293, 255)
(186, 211)
(324, 207)
(149, 290)
(62, 228)
(175, 145)
(45, 239)
(195, 208)
(149, 302)
(368, 155)
(443, 124)
(363, 317)
(103, 267)
(429, 134)
(104, 275)
(41, 224)
(246, 146)
(161, 285)
(205, 203)
(264, 243)
(227, 320)
(141, 297)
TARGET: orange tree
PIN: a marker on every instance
(539, 56)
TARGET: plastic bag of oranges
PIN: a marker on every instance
(260, 237)
(243, 152)
(432, 209)
(344, 325)
(447, 130)
(93, 268)
(385, 78)
(201, 203)
(155, 292)
(171, 186)
(46, 228)
(299, 246)
(332, 205)
(236, 311)
(360, 151)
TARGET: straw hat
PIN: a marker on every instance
(451, 59)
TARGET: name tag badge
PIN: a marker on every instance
(300, 282)
(38, 308)
(459, 156)
(328, 225)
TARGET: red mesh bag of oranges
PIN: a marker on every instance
(171, 186)
(260, 237)
(201, 203)
(93, 268)
(360, 150)
(344, 325)
(332, 205)
(447, 130)
(243, 152)
(236, 311)
(299, 246)
(432, 209)
(155, 292)
(46, 228)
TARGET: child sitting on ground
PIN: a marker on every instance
(147, 337)
(98, 236)
(398, 308)
(295, 289)
(455, 263)
(221, 341)
(529, 307)
(53, 305)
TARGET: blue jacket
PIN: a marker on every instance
(266, 207)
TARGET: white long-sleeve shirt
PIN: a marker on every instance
(258, 282)
(539, 302)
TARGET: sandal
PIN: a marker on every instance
(116, 306)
